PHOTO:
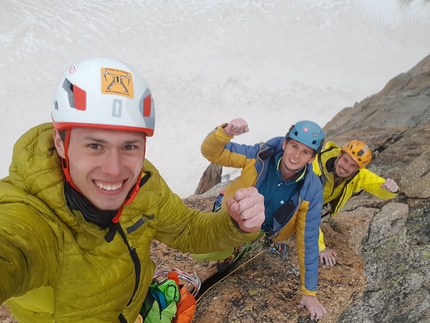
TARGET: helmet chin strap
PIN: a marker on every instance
(65, 162)
(130, 197)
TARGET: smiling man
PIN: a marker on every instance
(343, 172)
(104, 167)
(81, 205)
(281, 170)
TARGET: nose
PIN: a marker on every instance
(113, 164)
(296, 153)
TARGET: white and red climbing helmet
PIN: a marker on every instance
(103, 93)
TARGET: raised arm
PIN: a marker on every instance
(218, 149)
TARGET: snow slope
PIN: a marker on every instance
(271, 62)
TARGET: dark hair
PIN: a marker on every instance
(287, 136)
(62, 134)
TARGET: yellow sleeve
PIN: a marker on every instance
(321, 244)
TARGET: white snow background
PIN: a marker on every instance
(271, 62)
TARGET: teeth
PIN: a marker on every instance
(108, 187)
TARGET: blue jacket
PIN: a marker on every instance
(304, 214)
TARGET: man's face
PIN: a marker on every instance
(296, 155)
(345, 166)
(104, 164)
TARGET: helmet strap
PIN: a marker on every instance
(65, 162)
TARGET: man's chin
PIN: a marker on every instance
(342, 176)
(109, 206)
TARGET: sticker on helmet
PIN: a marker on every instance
(72, 69)
(117, 82)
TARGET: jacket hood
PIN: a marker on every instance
(36, 165)
(36, 170)
(271, 147)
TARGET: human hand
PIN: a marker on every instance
(247, 209)
(327, 257)
(236, 127)
(390, 185)
(313, 305)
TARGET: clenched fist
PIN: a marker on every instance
(247, 209)
(236, 127)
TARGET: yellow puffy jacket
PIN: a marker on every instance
(57, 267)
(363, 180)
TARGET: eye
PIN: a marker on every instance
(130, 147)
(95, 146)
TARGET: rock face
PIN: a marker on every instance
(404, 101)
(211, 177)
(395, 247)
(383, 246)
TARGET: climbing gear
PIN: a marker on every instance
(307, 133)
(191, 278)
(160, 302)
(171, 297)
(238, 252)
(358, 151)
(103, 93)
(218, 202)
(282, 215)
(218, 277)
(278, 248)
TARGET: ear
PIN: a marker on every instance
(59, 144)
(284, 144)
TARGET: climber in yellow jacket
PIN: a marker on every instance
(343, 172)
(81, 205)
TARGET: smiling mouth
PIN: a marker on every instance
(109, 187)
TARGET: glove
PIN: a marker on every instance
(390, 185)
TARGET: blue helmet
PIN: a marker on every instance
(307, 133)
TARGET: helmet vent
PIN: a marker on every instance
(67, 86)
(147, 102)
(77, 97)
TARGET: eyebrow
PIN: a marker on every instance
(102, 141)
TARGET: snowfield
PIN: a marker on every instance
(270, 62)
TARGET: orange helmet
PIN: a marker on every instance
(359, 151)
